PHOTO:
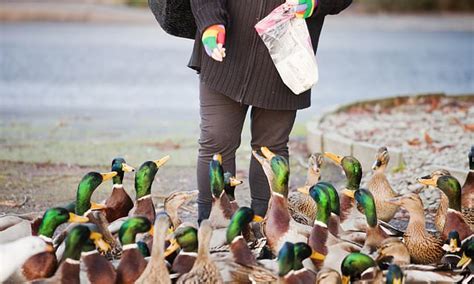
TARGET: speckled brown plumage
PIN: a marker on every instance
(380, 188)
(99, 270)
(118, 204)
(302, 208)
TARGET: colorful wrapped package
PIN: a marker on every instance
(289, 43)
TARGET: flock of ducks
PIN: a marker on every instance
(317, 234)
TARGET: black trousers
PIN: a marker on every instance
(222, 120)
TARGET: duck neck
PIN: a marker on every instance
(118, 179)
(83, 201)
(440, 218)
(416, 224)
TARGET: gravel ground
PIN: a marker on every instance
(432, 133)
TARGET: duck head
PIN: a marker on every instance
(76, 239)
(216, 176)
(286, 258)
(334, 204)
(381, 159)
(320, 195)
(230, 182)
(241, 218)
(448, 184)
(301, 252)
(354, 265)
(96, 240)
(467, 253)
(120, 167)
(351, 167)
(179, 198)
(133, 226)
(314, 167)
(186, 238)
(86, 188)
(366, 200)
(452, 244)
(145, 176)
(394, 275)
(276, 169)
(411, 202)
(56, 216)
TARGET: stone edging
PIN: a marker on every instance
(318, 141)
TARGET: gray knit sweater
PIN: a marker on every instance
(247, 74)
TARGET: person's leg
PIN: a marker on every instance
(222, 120)
(270, 128)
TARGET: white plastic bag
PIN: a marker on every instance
(289, 43)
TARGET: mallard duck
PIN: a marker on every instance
(119, 202)
(230, 183)
(301, 204)
(467, 249)
(380, 188)
(132, 263)
(375, 234)
(69, 268)
(97, 268)
(448, 216)
(351, 218)
(392, 251)
(394, 275)
(354, 265)
(173, 203)
(301, 274)
(278, 226)
(144, 178)
(185, 238)
(467, 202)
(86, 188)
(424, 248)
(14, 254)
(204, 270)
(452, 248)
(43, 265)
(156, 271)
(221, 210)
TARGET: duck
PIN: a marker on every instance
(448, 216)
(85, 189)
(14, 254)
(299, 273)
(144, 178)
(230, 183)
(69, 267)
(466, 260)
(424, 248)
(452, 248)
(278, 226)
(467, 202)
(354, 265)
(392, 251)
(350, 217)
(394, 275)
(132, 263)
(301, 204)
(174, 201)
(119, 203)
(43, 265)
(184, 238)
(244, 264)
(380, 187)
(204, 269)
(221, 210)
(375, 234)
(97, 268)
(156, 271)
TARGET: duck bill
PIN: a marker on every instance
(127, 168)
(218, 158)
(349, 193)
(235, 182)
(317, 256)
(303, 189)
(427, 180)
(333, 157)
(397, 280)
(151, 231)
(394, 201)
(107, 176)
(346, 279)
(49, 248)
(172, 247)
(257, 219)
(465, 261)
(159, 163)
(97, 206)
(73, 218)
(99, 241)
(267, 153)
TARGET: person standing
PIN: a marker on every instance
(236, 74)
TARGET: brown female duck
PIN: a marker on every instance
(380, 188)
(424, 248)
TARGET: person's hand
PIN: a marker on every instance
(213, 40)
(303, 8)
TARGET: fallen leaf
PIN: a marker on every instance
(414, 142)
(469, 127)
(428, 138)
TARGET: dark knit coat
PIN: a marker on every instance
(247, 74)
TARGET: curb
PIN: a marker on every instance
(319, 141)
